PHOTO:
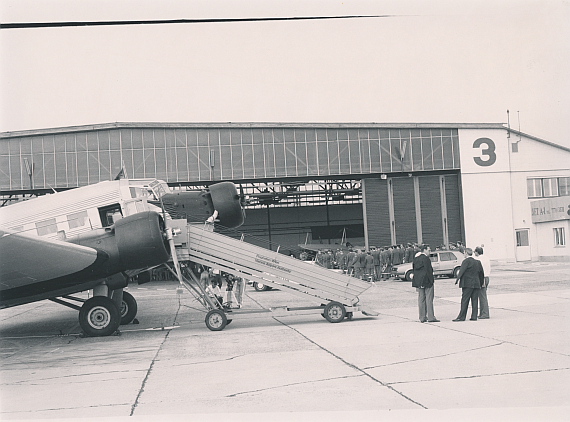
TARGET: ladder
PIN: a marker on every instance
(338, 294)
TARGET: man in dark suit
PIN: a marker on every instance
(471, 277)
(423, 282)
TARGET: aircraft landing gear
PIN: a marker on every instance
(128, 308)
(99, 316)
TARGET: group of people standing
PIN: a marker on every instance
(213, 281)
(473, 279)
(372, 265)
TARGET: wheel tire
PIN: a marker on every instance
(409, 275)
(335, 312)
(216, 320)
(128, 308)
(456, 272)
(99, 316)
(260, 287)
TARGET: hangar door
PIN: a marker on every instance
(422, 209)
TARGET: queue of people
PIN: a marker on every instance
(374, 264)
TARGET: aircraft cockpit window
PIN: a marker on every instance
(138, 192)
(106, 214)
(46, 227)
(78, 219)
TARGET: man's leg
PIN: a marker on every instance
(422, 304)
(465, 296)
(429, 303)
(474, 304)
(483, 303)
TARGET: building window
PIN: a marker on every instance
(522, 238)
(559, 239)
(564, 186)
(550, 187)
(46, 227)
(534, 188)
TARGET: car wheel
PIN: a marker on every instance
(260, 287)
(456, 272)
(409, 275)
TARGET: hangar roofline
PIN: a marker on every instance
(253, 125)
(260, 125)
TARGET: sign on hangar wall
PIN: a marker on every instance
(550, 209)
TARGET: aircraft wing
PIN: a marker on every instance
(28, 260)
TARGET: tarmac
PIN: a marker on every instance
(513, 366)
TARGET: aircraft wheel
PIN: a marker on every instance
(216, 320)
(128, 308)
(99, 316)
(335, 312)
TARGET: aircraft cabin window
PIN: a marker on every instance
(106, 214)
(46, 227)
(78, 219)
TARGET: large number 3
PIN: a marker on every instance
(489, 152)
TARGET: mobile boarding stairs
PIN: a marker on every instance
(338, 294)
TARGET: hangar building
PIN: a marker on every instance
(368, 183)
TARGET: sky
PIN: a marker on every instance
(422, 62)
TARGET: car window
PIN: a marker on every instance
(433, 257)
(447, 256)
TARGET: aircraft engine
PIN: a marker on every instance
(197, 206)
(141, 240)
(227, 202)
(133, 242)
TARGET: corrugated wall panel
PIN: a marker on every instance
(453, 208)
(377, 212)
(404, 209)
(430, 205)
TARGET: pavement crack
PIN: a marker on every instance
(293, 384)
(433, 357)
(538, 371)
(356, 368)
(148, 372)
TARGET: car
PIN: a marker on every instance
(444, 262)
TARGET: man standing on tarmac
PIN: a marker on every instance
(470, 278)
(486, 264)
(423, 282)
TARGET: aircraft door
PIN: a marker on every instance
(106, 214)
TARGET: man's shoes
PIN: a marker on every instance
(472, 319)
(433, 320)
(457, 319)
(483, 317)
(423, 320)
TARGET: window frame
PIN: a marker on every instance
(559, 237)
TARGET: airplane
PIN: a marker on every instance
(94, 238)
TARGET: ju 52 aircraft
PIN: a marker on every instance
(93, 237)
